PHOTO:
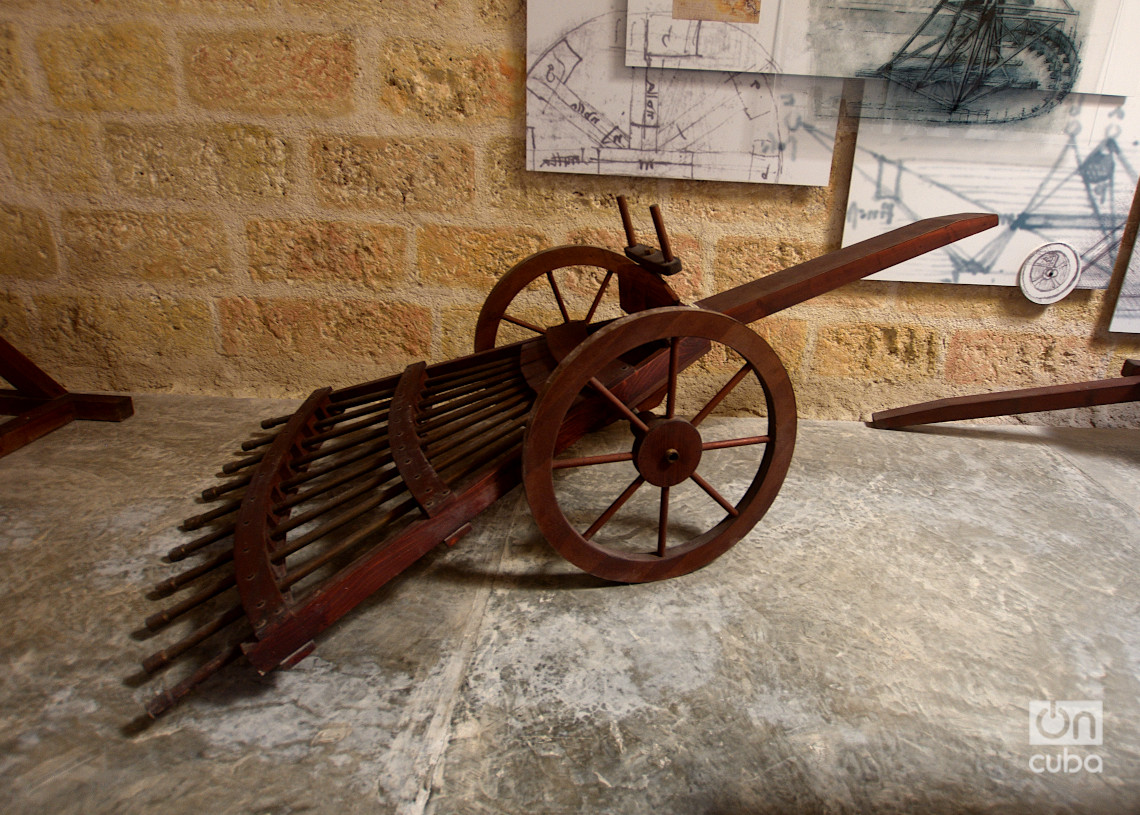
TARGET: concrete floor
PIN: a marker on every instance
(874, 644)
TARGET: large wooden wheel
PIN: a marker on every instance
(642, 509)
(587, 288)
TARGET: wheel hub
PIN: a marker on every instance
(669, 452)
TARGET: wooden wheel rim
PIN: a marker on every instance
(573, 374)
(531, 269)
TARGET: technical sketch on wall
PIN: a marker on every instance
(587, 112)
(1126, 315)
(1074, 186)
(948, 61)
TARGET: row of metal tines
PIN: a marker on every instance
(340, 497)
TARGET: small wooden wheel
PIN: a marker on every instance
(654, 515)
(583, 296)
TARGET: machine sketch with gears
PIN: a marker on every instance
(587, 112)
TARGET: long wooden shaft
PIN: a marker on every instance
(775, 292)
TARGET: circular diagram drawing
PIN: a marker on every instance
(1049, 273)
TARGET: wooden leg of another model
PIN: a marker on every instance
(41, 405)
(1029, 400)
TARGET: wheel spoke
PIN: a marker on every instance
(598, 297)
(558, 297)
(663, 522)
(604, 518)
(671, 398)
(619, 404)
(524, 324)
(585, 461)
(716, 496)
(741, 442)
(721, 394)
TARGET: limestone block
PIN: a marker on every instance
(110, 245)
(26, 247)
(116, 67)
(271, 72)
(473, 258)
(199, 161)
(310, 251)
(386, 332)
(101, 331)
(875, 353)
(53, 154)
(449, 81)
(741, 260)
(12, 82)
(390, 173)
(1020, 360)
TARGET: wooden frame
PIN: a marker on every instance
(41, 405)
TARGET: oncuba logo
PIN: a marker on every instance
(1061, 724)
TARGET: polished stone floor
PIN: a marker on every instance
(875, 644)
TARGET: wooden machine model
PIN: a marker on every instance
(340, 497)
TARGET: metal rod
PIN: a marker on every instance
(310, 566)
(172, 584)
(297, 544)
(344, 477)
(198, 521)
(380, 391)
(482, 383)
(161, 659)
(259, 441)
(185, 550)
(211, 493)
(340, 500)
(161, 618)
(241, 464)
(167, 699)
(481, 443)
(470, 402)
(339, 447)
(477, 373)
(352, 414)
(454, 439)
(314, 473)
(351, 427)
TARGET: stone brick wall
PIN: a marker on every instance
(258, 197)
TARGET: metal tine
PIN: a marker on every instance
(477, 444)
(340, 500)
(352, 414)
(186, 549)
(461, 390)
(266, 424)
(436, 444)
(346, 476)
(309, 566)
(491, 448)
(162, 659)
(161, 618)
(342, 403)
(480, 374)
(466, 372)
(339, 447)
(352, 427)
(167, 699)
(313, 473)
(259, 441)
(457, 437)
(241, 464)
(211, 493)
(340, 520)
(198, 521)
(172, 584)
(479, 398)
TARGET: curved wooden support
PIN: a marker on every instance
(429, 490)
(257, 575)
